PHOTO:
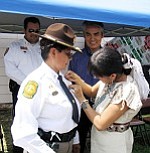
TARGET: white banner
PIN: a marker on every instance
(137, 47)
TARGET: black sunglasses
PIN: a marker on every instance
(32, 30)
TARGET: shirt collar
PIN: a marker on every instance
(29, 44)
(88, 50)
(49, 71)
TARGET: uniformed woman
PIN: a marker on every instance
(47, 113)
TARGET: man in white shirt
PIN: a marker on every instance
(21, 58)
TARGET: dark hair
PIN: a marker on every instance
(105, 61)
(30, 19)
(93, 23)
(46, 44)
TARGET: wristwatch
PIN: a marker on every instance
(84, 104)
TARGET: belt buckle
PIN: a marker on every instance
(111, 128)
(121, 128)
(54, 134)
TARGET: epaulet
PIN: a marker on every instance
(6, 51)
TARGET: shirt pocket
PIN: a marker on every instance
(56, 106)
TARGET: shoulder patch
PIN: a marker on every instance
(30, 89)
(6, 51)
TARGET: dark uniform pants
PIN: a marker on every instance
(14, 88)
(84, 127)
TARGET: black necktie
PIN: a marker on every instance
(75, 115)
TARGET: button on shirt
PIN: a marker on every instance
(48, 109)
(21, 59)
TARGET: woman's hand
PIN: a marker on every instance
(77, 90)
(88, 90)
(73, 77)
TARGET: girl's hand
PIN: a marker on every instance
(73, 77)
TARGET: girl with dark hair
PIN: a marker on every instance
(117, 101)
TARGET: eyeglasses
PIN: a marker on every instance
(69, 53)
(32, 30)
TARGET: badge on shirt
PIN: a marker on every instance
(53, 90)
(23, 48)
(30, 89)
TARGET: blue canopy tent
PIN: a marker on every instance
(120, 18)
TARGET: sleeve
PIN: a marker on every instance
(138, 75)
(127, 93)
(25, 125)
(10, 63)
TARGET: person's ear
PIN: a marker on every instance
(113, 76)
(53, 51)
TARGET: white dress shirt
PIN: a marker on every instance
(48, 109)
(21, 59)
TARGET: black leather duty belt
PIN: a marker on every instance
(52, 136)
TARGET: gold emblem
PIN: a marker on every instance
(30, 89)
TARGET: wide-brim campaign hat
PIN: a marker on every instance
(61, 34)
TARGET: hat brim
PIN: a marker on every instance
(58, 41)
